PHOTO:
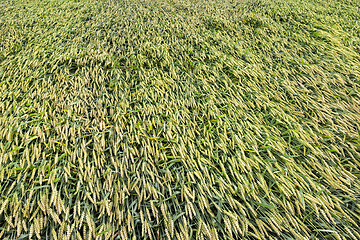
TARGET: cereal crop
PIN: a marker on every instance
(179, 119)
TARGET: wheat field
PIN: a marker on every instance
(179, 119)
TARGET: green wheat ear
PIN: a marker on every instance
(179, 119)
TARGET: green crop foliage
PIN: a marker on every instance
(179, 119)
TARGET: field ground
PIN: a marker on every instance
(180, 119)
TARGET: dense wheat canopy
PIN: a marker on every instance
(179, 119)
